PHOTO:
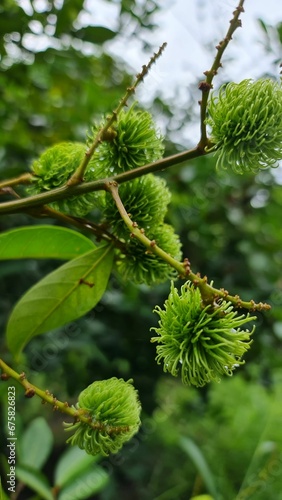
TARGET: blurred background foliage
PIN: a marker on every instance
(57, 77)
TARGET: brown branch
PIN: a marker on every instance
(209, 294)
(78, 175)
(206, 85)
(97, 230)
(21, 179)
(12, 207)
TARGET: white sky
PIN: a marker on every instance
(192, 28)
(189, 27)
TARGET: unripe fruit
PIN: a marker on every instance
(53, 169)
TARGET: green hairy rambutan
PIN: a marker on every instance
(145, 199)
(53, 169)
(142, 266)
(246, 125)
(133, 142)
(201, 343)
(113, 409)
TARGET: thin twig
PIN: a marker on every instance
(78, 175)
(21, 179)
(206, 85)
(11, 207)
(47, 397)
(209, 293)
(98, 230)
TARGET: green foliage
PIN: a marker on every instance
(94, 34)
(201, 342)
(90, 482)
(197, 457)
(238, 441)
(76, 474)
(36, 444)
(42, 242)
(246, 123)
(230, 229)
(113, 409)
(2, 492)
(72, 464)
(64, 295)
(35, 480)
(202, 497)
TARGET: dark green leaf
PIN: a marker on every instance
(88, 483)
(67, 15)
(263, 25)
(202, 497)
(72, 464)
(36, 444)
(197, 457)
(35, 480)
(42, 242)
(95, 34)
(279, 31)
(63, 296)
(3, 495)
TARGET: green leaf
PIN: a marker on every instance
(267, 453)
(202, 497)
(43, 242)
(35, 444)
(87, 483)
(35, 480)
(3, 495)
(72, 464)
(95, 34)
(63, 296)
(279, 31)
(67, 15)
(194, 452)
(263, 25)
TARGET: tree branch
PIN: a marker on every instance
(78, 175)
(25, 204)
(209, 294)
(31, 389)
(206, 85)
(98, 230)
(21, 179)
